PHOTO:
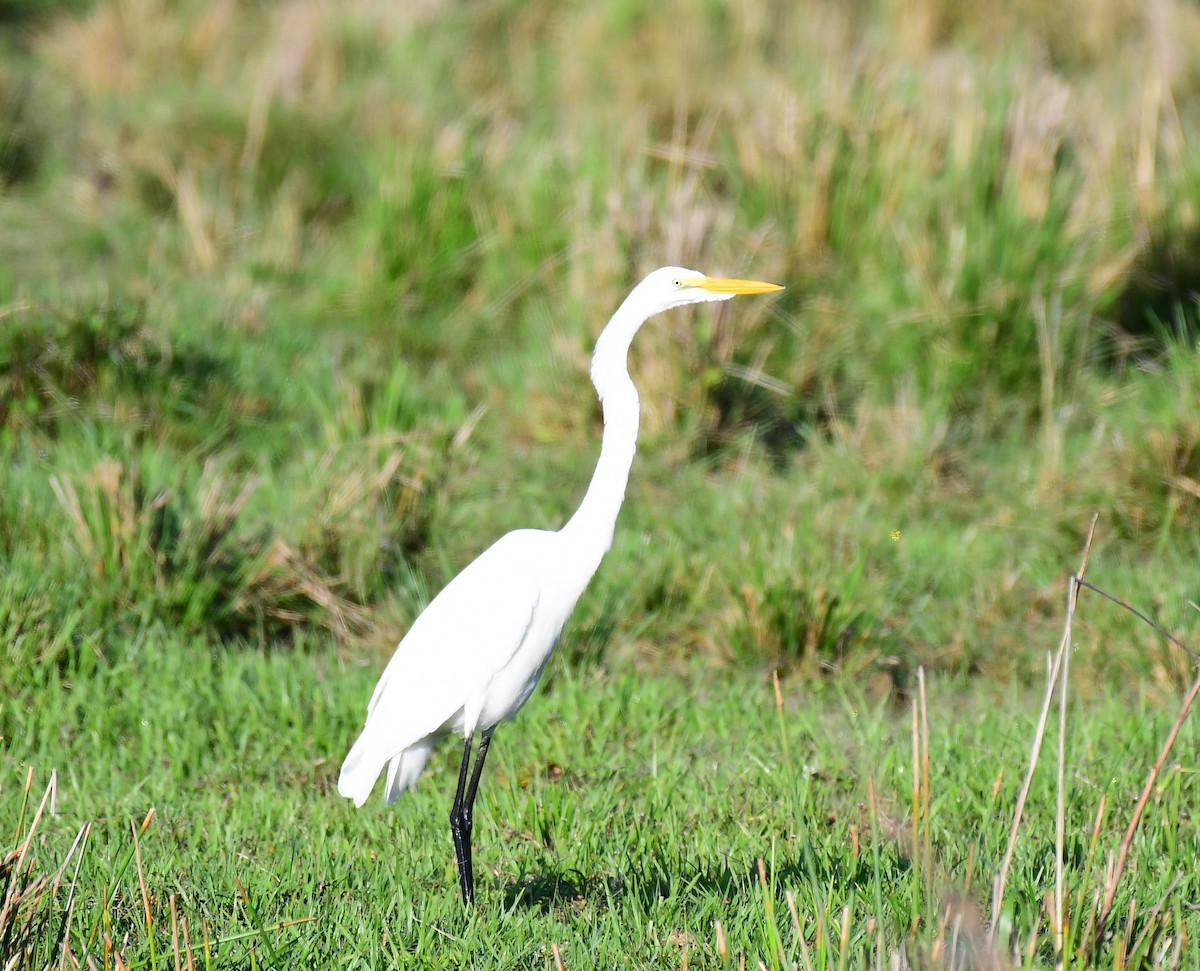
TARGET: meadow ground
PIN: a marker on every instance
(296, 303)
(622, 820)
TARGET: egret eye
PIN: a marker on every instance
(676, 284)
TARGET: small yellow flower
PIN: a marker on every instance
(895, 536)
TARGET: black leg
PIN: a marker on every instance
(461, 814)
(474, 786)
(460, 832)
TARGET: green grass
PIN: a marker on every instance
(621, 818)
(363, 297)
(296, 308)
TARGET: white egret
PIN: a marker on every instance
(474, 655)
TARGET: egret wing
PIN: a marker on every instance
(468, 632)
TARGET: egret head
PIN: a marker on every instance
(671, 286)
(674, 286)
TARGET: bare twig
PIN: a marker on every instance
(787, 758)
(1080, 581)
(916, 779)
(1114, 880)
(1039, 734)
(137, 852)
(804, 955)
(175, 935)
(1087, 866)
(1116, 871)
(927, 861)
(1060, 783)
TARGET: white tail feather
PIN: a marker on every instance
(359, 772)
(405, 768)
(363, 765)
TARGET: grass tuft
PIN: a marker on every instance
(187, 556)
(37, 904)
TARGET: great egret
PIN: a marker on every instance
(474, 655)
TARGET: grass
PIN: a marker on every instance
(623, 819)
(296, 308)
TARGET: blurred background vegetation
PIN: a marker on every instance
(297, 301)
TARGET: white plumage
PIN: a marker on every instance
(474, 656)
(469, 661)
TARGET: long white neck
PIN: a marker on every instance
(590, 530)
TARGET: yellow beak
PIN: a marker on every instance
(716, 284)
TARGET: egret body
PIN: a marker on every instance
(474, 655)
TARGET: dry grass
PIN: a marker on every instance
(197, 562)
(958, 198)
(825, 82)
(38, 903)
